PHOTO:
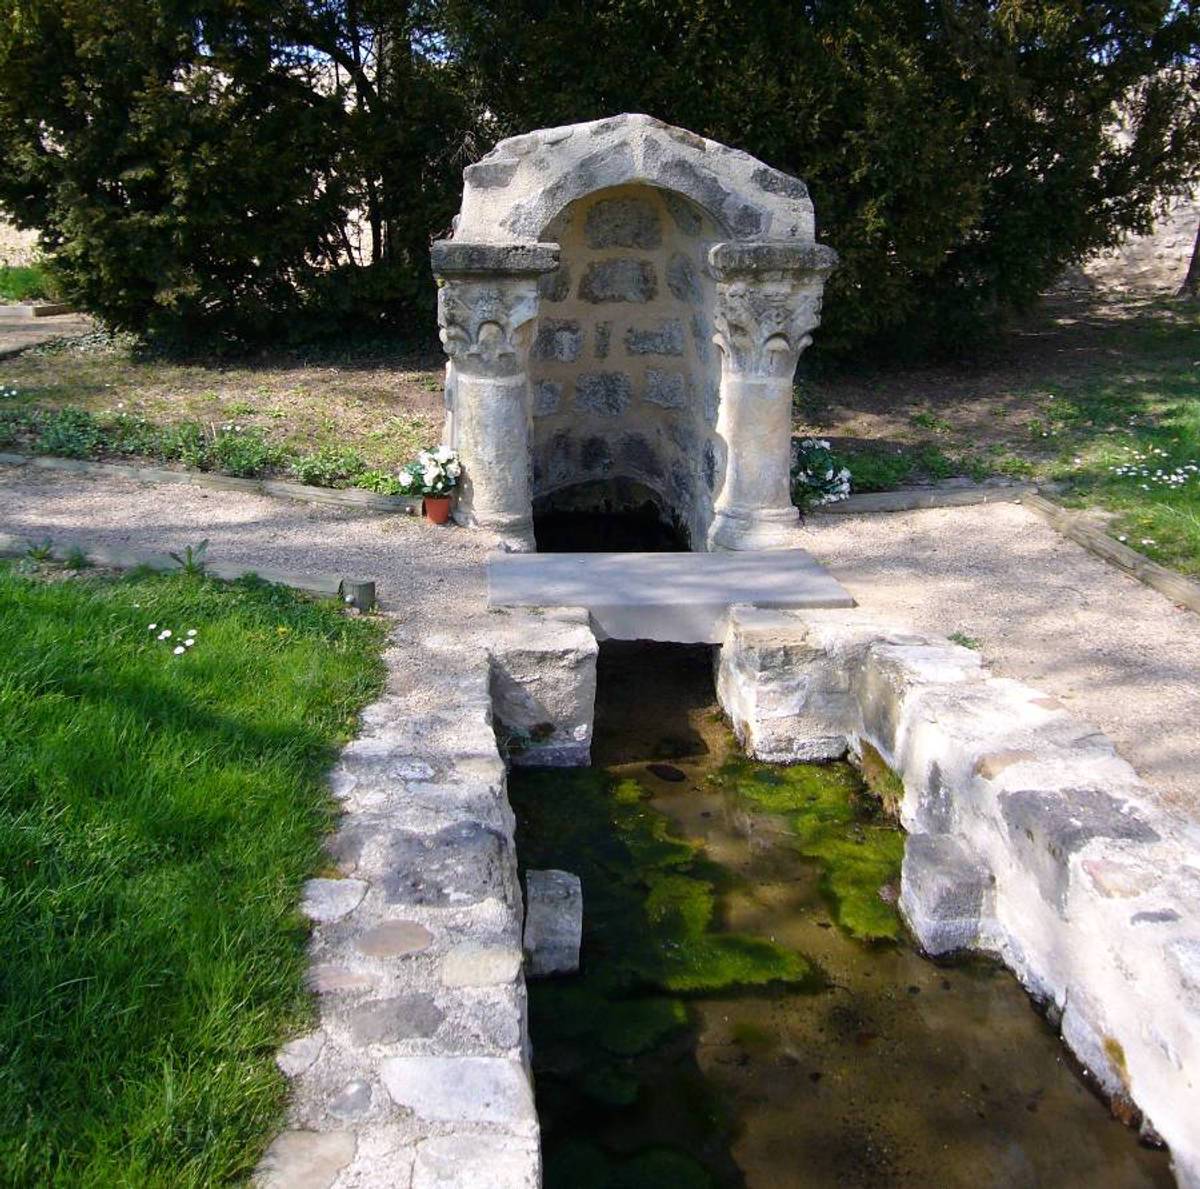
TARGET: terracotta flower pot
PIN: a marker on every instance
(437, 508)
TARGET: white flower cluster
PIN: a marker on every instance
(7, 392)
(1142, 468)
(432, 472)
(817, 476)
(166, 634)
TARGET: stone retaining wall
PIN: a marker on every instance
(417, 1074)
(1029, 838)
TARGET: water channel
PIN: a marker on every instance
(750, 1011)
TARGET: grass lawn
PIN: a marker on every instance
(157, 816)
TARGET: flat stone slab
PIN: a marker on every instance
(462, 1090)
(683, 598)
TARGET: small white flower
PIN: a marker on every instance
(191, 631)
(165, 634)
(189, 643)
(153, 626)
(1147, 540)
(179, 650)
(1122, 537)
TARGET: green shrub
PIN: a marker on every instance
(69, 432)
(242, 452)
(184, 442)
(330, 466)
(380, 482)
(125, 433)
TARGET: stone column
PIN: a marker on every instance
(487, 306)
(768, 302)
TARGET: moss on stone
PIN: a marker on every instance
(879, 778)
(835, 824)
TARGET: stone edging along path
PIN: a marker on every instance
(329, 585)
(351, 497)
(417, 1074)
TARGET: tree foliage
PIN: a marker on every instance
(203, 167)
(958, 152)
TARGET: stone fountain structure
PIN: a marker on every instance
(623, 304)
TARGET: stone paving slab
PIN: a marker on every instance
(680, 597)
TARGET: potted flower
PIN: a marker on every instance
(433, 474)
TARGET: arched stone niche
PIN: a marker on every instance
(623, 303)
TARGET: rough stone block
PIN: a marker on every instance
(491, 1090)
(474, 965)
(331, 899)
(543, 688)
(555, 286)
(547, 396)
(686, 217)
(619, 280)
(476, 1162)
(606, 393)
(453, 256)
(558, 339)
(298, 1055)
(664, 339)
(622, 223)
(305, 1159)
(682, 280)
(400, 1017)
(669, 390)
(943, 892)
(553, 922)
(1045, 828)
(459, 865)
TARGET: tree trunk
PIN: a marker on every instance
(1191, 283)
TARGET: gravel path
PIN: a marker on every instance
(1044, 610)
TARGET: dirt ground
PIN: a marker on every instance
(990, 400)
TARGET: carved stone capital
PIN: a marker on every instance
(486, 325)
(768, 304)
(763, 326)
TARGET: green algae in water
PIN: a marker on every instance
(584, 1166)
(832, 822)
(650, 896)
(649, 936)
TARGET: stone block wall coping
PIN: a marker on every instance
(1029, 837)
(730, 260)
(327, 585)
(474, 259)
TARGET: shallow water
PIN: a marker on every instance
(768, 1046)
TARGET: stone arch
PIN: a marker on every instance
(533, 405)
(514, 193)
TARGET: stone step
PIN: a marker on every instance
(682, 598)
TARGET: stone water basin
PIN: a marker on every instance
(793, 1037)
